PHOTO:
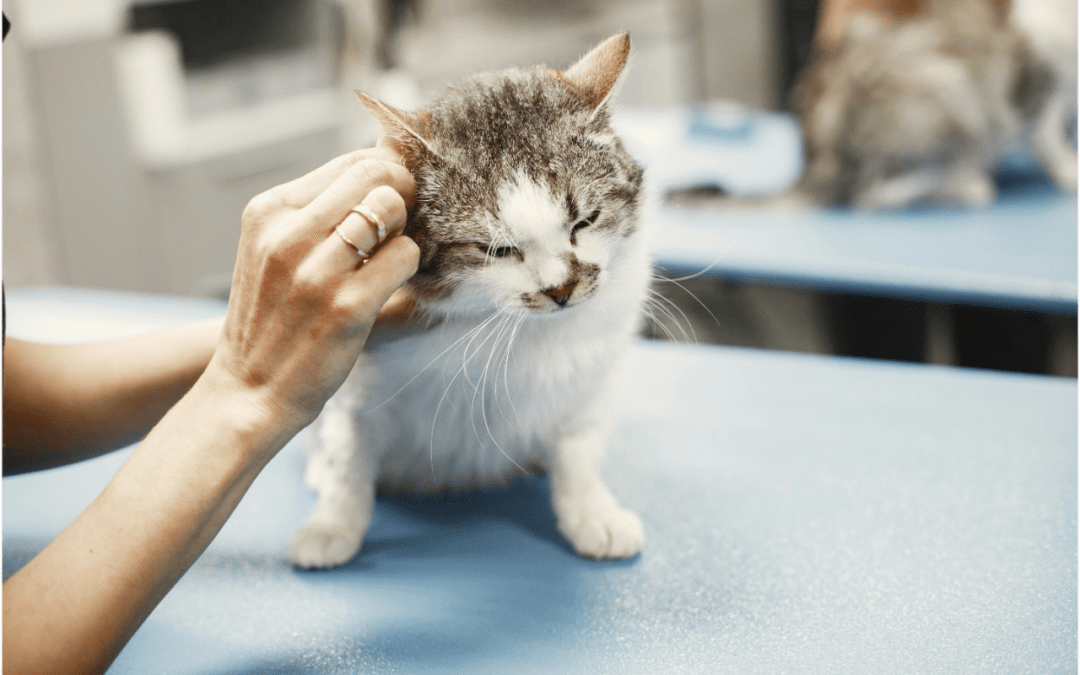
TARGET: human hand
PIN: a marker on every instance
(302, 301)
(398, 312)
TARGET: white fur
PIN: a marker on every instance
(529, 210)
(1051, 30)
(492, 392)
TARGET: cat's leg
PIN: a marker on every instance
(966, 185)
(896, 192)
(1050, 139)
(343, 476)
(588, 514)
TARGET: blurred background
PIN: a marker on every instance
(135, 131)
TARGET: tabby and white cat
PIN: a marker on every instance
(922, 110)
(532, 277)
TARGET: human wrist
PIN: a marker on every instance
(262, 424)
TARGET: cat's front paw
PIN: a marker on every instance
(1064, 173)
(323, 545)
(974, 191)
(613, 533)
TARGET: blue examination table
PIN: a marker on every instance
(804, 514)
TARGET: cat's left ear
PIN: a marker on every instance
(405, 131)
(597, 73)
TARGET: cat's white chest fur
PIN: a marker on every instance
(475, 404)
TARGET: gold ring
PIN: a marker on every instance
(372, 218)
(361, 252)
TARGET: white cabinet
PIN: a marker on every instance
(143, 181)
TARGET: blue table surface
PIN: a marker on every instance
(804, 514)
(1019, 253)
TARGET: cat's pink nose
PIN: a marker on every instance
(561, 294)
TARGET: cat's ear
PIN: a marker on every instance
(405, 131)
(596, 74)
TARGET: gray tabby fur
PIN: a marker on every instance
(922, 110)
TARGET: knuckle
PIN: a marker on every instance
(266, 248)
(280, 255)
(410, 250)
(261, 207)
(371, 171)
(389, 205)
(389, 200)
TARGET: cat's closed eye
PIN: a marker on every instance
(582, 224)
(500, 251)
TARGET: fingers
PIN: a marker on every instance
(285, 213)
(333, 204)
(380, 215)
(338, 251)
(385, 272)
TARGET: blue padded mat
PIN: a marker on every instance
(1019, 253)
(803, 514)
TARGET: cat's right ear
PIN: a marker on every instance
(597, 73)
(405, 131)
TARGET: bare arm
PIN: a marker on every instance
(66, 403)
(301, 308)
(73, 607)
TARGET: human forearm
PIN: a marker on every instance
(302, 303)
(72, 402)
(93, 586)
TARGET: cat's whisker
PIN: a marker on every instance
(466, 356)
(686, 290)
(516, 321)
(471, 336)
(483, 404)
(662, 304)
(501, 333)
(703, 270)
(497, 332)
(657, 323)
(660, 318)
(652, 308)
(506, 364)
(429, 364)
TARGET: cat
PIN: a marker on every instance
(901, 112)
(531, 283)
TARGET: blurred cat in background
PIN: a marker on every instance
(922, 108)
(532, 278)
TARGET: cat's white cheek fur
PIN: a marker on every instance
(595, 247)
